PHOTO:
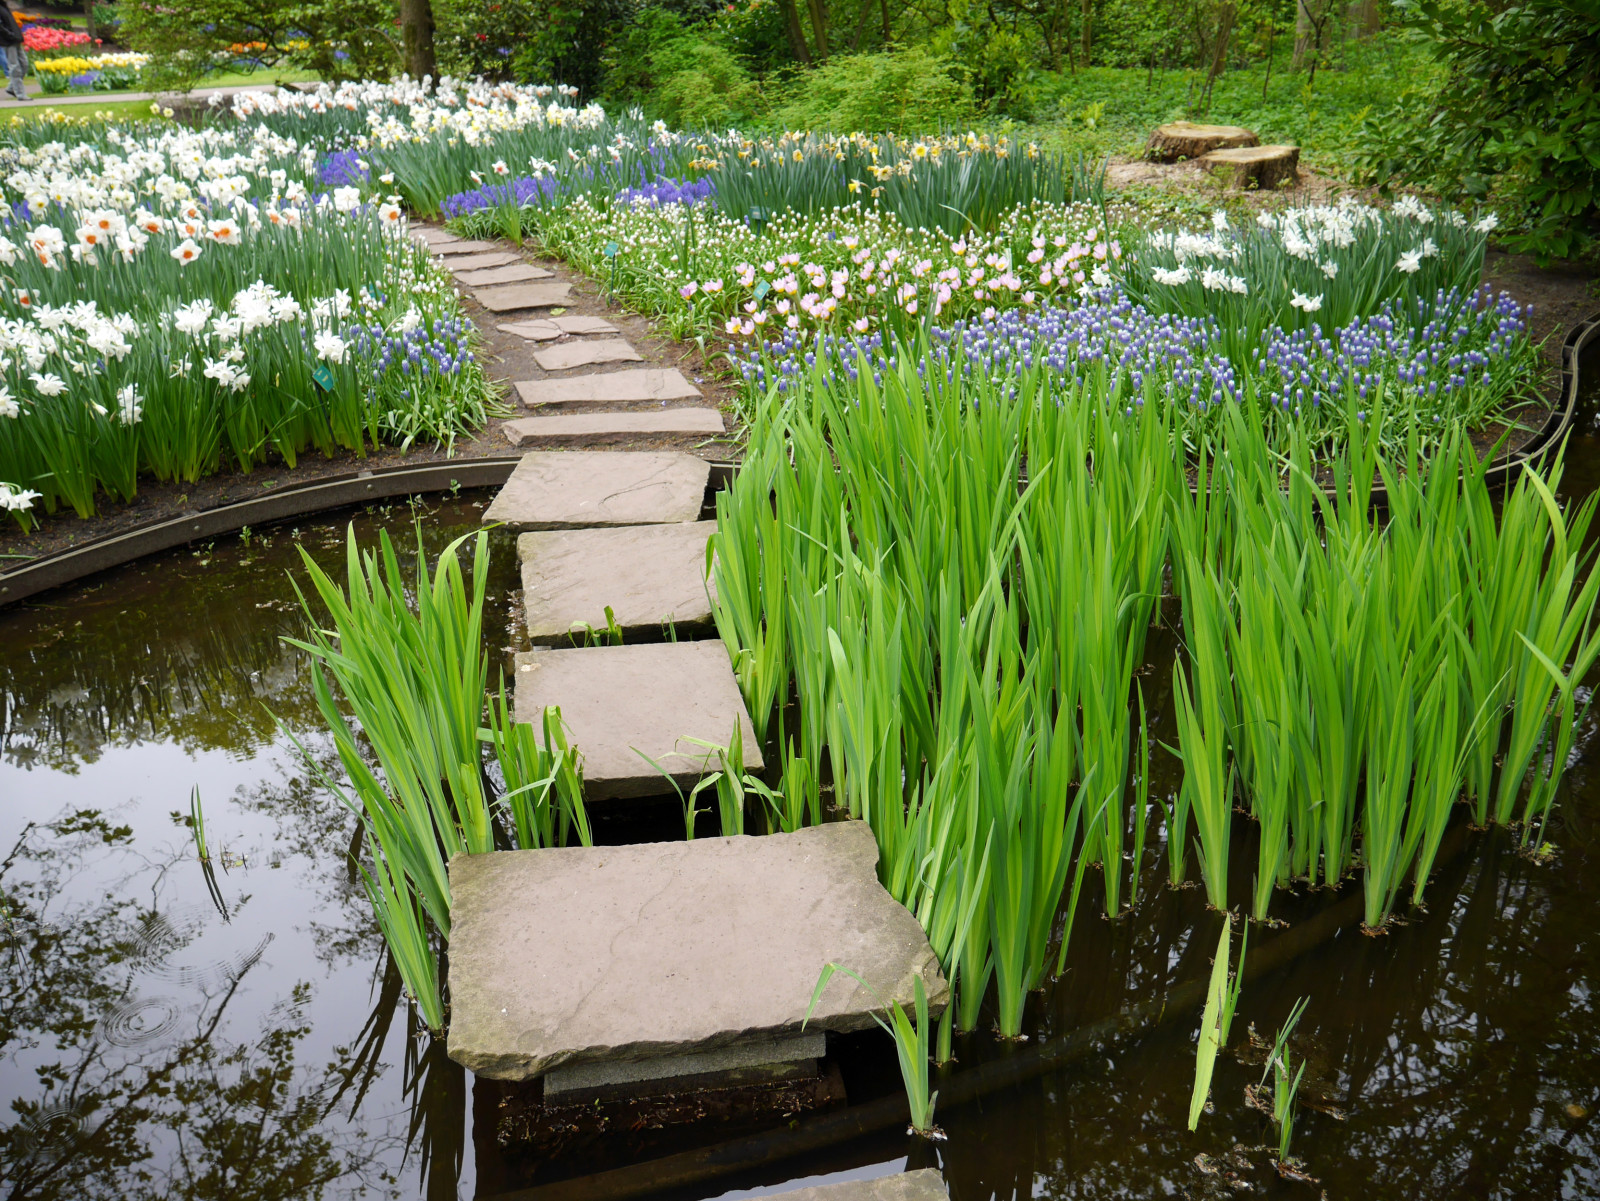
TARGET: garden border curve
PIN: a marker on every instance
(299, 500)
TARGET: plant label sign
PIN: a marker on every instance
(323, 377)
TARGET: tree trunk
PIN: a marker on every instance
(1304, 28)
(888, 33)
(797, 35)
(416, 26)
(1087, 30)
(819, 26)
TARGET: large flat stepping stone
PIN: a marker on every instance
(924, 1184)
(514, 273)
(600, 427)
(482, 262)
(465, 247)
(654, 698)
(614, 387)
(511, 297)
(649, 575)
(578, 955)
(570, 489)
(586, 354)
(1186, 139)
(433, 237)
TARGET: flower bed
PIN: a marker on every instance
(179, 303)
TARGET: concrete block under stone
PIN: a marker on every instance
(584, 325)
(465, 247)
(482, 262)
(614, 387)
(570, 489)
(577, 955)
(924, 1184)
(510, 297)
(534, 331)
(601, 428)
(586, 354)
(513, 273)
(760, 1061)
(649, 575)
(653, 698)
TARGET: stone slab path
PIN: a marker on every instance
(587, 954)
(662, 967)
(649, 575)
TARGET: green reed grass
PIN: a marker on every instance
(936, 593)
(912, 1033)
(1286, 1076)
(407, 658)
(1222, 998)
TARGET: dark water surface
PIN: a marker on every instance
(169, 1033)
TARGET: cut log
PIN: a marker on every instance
(1185, 139)
(1263, 168)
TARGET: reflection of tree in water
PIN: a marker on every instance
(186, 646)
(123, 1106)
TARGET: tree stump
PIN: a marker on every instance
(1185, 139)
(1261, 168)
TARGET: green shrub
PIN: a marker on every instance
(686, 76)
(711, 89)
(1517, 117)
(895, 92)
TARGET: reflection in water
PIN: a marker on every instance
(173, 1029)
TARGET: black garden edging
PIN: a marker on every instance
(299, 500)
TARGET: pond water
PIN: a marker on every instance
(171, 1032)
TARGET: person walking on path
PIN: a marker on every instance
(16, 61)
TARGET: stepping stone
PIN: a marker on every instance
(924, 1184)
(652, 697)
(1259, 167)
(586, 354)
(481, 262)
(433, 237)
(649, 575)
(1185, 139)
(523, 296)
(444, 249)
(613, 387)
(514, 273)
(571, 489)
(575, 955)
(599, 427)
(534, 331)
(584, 325)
